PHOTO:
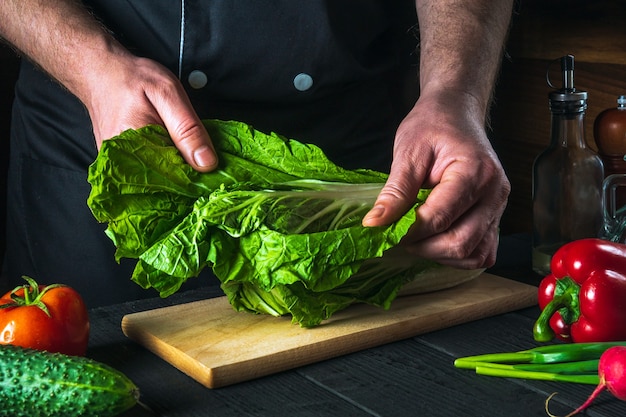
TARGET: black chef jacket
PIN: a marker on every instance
(327, 72)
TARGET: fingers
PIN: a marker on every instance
(185, 127)
(461, 187)
(458, 225)
(470, 243)
(146, 93)
(399, 192)
(394, 200)
(194, 143)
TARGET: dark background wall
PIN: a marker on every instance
(8, 72)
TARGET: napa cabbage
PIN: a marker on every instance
(278, 222)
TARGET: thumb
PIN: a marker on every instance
(194, 143)
(186, 130)
(395, 199)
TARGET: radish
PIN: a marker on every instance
(612, 373)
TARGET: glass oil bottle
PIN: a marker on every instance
(567, 176)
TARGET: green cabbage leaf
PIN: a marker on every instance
(278, 222)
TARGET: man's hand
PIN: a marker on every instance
(440, 146)
(120, 90)
(442, 143)
(135, 92)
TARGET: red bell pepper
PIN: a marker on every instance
(583, 299)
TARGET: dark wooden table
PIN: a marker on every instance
(412, 377)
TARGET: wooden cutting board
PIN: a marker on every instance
(218, 346)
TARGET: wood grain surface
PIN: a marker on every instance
(217, 346)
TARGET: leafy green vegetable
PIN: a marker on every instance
(278, 222)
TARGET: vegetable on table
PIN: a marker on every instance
(602, 364)
(34, 383)
(563, 362)
(44, 317)
(612, 377)
(583, 299)
(278, 222)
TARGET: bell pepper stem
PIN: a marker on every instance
(565, 300)
(541, 330)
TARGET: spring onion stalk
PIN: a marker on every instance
(573, 362)
(543, 376)
(579, 367)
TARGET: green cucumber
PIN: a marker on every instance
(35, 383)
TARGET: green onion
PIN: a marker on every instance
(579, 367)
(546, 354)
(544, 376)
(572, 362)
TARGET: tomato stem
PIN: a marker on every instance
(32, 289)
(31, 295)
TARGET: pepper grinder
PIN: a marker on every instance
(567, 176)
(609, 131)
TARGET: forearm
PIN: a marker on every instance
(62, 38)
(461, 47)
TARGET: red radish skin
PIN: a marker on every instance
(612, 373)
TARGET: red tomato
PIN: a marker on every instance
(51, 318)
